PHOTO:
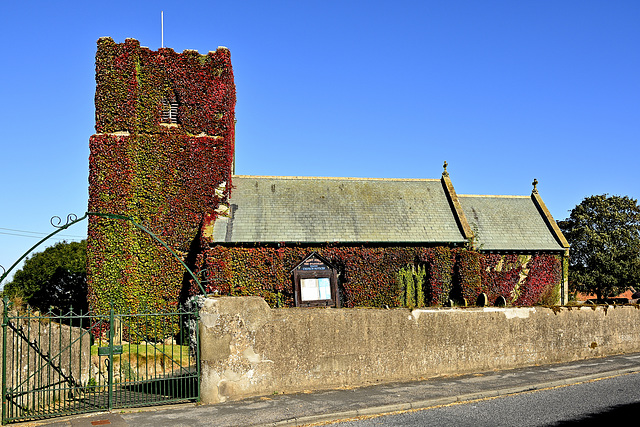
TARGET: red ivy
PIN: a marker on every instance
(163, 176)
(368, 274)
(544, 272)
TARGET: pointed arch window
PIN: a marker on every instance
(170, 110)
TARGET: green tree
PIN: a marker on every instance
(604, 234)
(55, 277)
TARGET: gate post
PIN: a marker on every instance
(110, 373)
(5, 322)
(197, 330)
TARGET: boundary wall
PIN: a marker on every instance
(249, 349)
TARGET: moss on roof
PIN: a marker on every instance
(270, 209)
(507, 223)
(317, 210)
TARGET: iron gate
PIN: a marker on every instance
(55, 365)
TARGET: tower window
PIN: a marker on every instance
(170, 110)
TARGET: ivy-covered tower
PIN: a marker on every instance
(163, 155)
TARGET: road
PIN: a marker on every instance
(600, 402)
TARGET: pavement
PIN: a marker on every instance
(331, 405)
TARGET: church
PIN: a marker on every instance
(285, 220)
(163, 153)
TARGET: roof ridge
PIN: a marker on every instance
(335, 178)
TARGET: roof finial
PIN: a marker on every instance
(535, 183)
(445, 173)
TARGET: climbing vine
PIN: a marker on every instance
(165, 176)
(541, 284)
(440, 263)
(467, 275)
(385, 276)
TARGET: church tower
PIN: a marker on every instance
(163, 155)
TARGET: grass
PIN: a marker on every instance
(176, 352)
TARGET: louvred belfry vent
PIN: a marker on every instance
(170, 110)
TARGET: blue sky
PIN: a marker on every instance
(504, 91)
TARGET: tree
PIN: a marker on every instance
(604, 234)
(55, 277)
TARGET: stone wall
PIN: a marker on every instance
(248, 349)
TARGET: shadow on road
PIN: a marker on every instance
(615, 413)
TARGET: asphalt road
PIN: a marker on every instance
(598, 402)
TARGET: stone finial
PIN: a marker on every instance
(445, 173)
(535, 186)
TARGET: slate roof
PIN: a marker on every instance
(507, 223)
(320, 210)
(269, 209)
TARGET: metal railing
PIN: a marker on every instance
(54, 365)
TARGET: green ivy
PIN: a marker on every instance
(382, 276)
(162, 176)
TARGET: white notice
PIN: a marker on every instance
(324, 286)
(309, 290)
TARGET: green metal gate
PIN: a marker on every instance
(54, 365)
(74, 363)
